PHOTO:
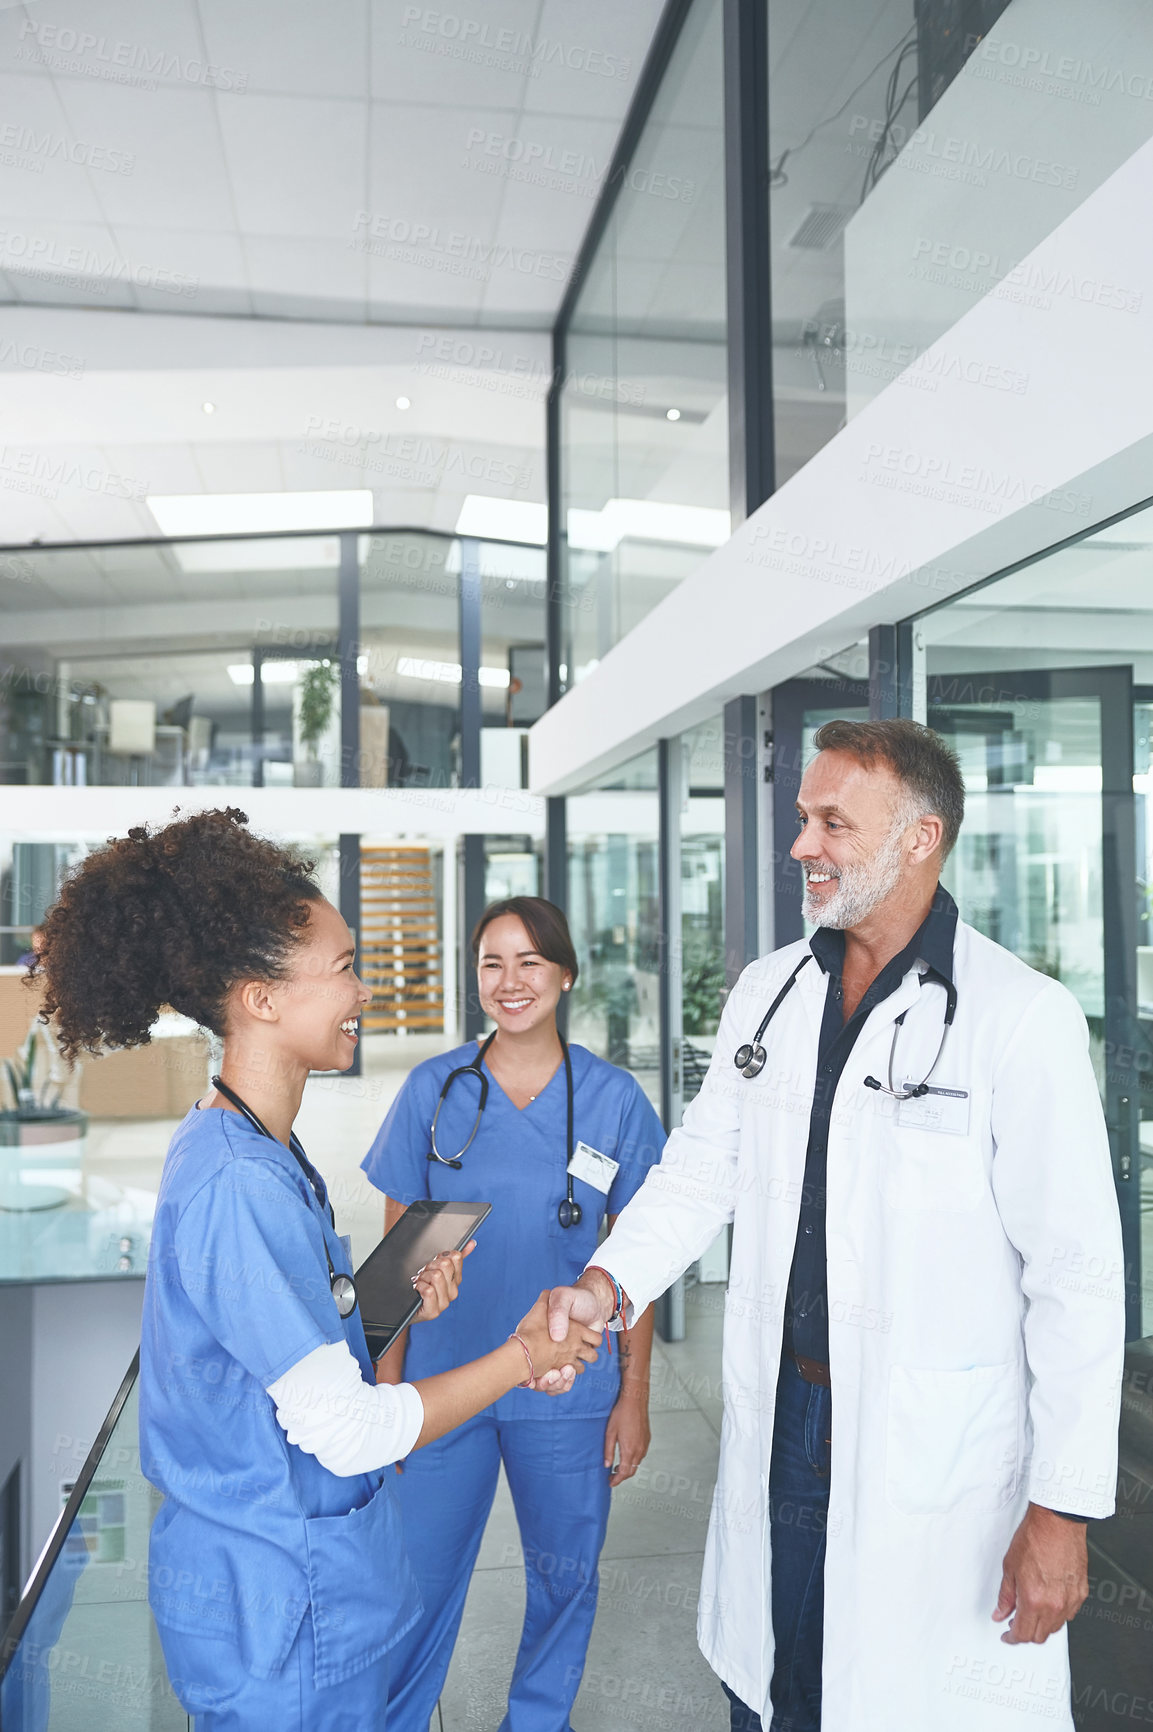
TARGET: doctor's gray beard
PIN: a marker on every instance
(861, 888)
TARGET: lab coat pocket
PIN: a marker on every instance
(922, 1169)
(362, 1593)
(954, 1439)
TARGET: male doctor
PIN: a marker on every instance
(924, 1324)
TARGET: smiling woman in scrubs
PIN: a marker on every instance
(560, 1458)
(277, 1570)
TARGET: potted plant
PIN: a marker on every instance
(317, 696)
(41, 1142)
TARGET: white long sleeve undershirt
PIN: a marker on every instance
(327, 1409)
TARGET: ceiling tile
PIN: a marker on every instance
(305, 49)
(589, 57)
(297, 165)
(313, 278)
(39, 173)
(154, 143)
(182, 272)
(251, 467)
(479, 59)
(73, 263)
(120, 42)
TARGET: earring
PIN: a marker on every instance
(565, 984)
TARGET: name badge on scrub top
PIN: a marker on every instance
(939, 1109)
(346, 1241)
(595, 1169)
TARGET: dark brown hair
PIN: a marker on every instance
(919, 758)
(174, 916)
(543, 921)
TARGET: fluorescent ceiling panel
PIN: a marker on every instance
(253, 513)
(447, 673)
(300, 553)
(503, 519)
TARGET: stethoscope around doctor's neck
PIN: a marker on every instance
(750, 1058)
(343, 1287)
(569, 1212)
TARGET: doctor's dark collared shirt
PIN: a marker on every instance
(807, 1305)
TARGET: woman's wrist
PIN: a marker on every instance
(518, 1341)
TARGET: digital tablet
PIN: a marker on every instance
(387, 1298)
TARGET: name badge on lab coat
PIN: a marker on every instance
(941, 1109)
(595, 1169)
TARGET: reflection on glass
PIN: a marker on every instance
(702, 898)
(644, 433)
(614, 917)
(919, 153)
(183, 664)
(90, 1655)
(1027, 867)
(410, 649)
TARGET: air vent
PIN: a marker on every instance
(821, 225)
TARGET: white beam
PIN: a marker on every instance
(46, 813)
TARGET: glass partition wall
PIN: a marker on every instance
(643, 416)
(216, 662)
(1042, 680)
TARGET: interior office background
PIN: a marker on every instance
(486, 448)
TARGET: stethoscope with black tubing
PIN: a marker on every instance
(569, 1212)
(750, 1059)
(343, 1287)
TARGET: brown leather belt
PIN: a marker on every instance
(813, 1371)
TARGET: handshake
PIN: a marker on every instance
(562, 1332)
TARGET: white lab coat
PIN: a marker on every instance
(976, 1330)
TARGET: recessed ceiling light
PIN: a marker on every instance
(447, 673)
(672, 414)
(403, 403)
(503, 519)
(271, 673)
(209, 408)
(245, 513)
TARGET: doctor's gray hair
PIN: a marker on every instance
(927, 769)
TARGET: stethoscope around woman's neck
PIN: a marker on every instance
(569, 1212)
(343, 1287)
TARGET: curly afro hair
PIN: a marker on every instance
(173, 916)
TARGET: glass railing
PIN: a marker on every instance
(82, 1653)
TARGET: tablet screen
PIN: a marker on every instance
(384, 1287)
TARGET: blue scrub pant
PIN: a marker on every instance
(560, 1489)
(212, 1686)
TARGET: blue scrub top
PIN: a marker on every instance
(516, 1163)
(254, 1532)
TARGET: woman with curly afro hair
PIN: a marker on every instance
(277, 1572)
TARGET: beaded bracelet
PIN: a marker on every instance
(620, 1297)
(531, 1378)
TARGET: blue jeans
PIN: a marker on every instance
(798, 1514)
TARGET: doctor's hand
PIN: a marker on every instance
(438, 1282)
(590, 1302)
(1046, 1576)
(556, 1364)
